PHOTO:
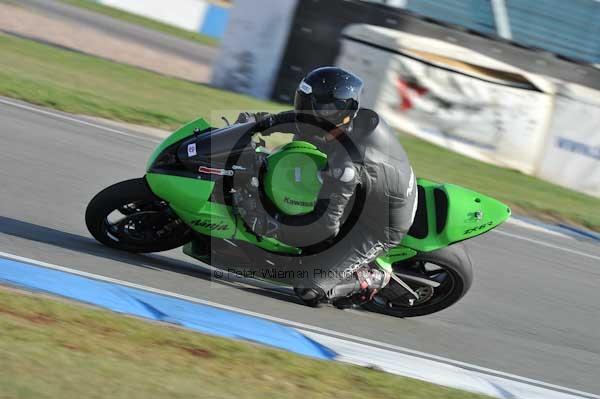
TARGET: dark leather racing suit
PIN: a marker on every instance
(366, 205)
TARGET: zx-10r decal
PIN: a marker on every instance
(478, 228)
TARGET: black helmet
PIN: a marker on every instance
(329, 93)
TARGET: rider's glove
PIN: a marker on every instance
(263, 121)
(286, 120)
(246, 117)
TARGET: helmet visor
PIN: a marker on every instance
(330, 109)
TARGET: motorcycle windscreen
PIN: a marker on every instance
(217, 148)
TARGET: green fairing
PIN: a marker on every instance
(269, 244)
(189, 200)
(394, 255)
(184, 194)
(180, 134)
(469, 214)
(291, 183)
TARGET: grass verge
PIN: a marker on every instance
(78, 83)
(82, 84)
(56, 349)
(143, 21)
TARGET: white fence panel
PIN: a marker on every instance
(492, 119)
(572, 157)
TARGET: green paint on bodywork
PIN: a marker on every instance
(180, 134)
(266, 243)
(189, 199)
(182, 193)
(215, 220)
(291, 181)
(469, 214)
(395, 255)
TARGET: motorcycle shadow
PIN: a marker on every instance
(89, 246)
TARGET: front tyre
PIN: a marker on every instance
(129, 217)
(450, 268)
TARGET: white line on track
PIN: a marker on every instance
(72, 119)
(535, 227)
(545, 244)
(302, 326)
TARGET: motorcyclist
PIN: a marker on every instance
(368, 197)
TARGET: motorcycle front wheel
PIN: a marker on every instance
(129, 217)
(449, 272)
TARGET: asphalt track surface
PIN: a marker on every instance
(166, 43)
(533, 310)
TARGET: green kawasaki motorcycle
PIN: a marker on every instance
(219, 193)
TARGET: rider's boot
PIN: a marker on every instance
(368, 281)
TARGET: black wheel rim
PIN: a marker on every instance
(142, 223)
(428, 296)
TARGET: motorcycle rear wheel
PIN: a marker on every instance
(450, 267)
(129, 217)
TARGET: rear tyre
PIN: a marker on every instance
(450, 267)
(128, 216)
